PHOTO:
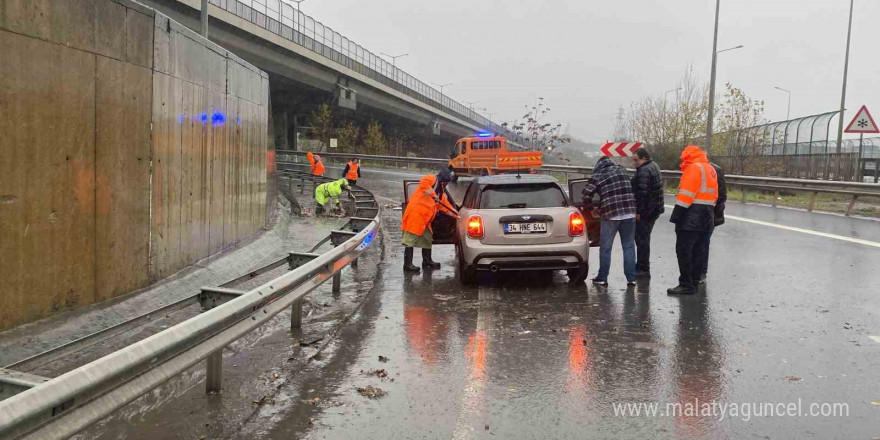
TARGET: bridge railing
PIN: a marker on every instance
(35, 407)
(282, 19)
(853, 190)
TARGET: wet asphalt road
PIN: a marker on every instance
(787, 318)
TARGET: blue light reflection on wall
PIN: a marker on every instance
(218, 119)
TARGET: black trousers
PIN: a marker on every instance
(643, 244)
(690, 247)
(706, 253)
(352, 182)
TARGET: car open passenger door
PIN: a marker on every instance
(444, 226)
(575, 188)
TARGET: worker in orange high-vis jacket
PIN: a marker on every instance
(694, 217)
(352, 171)
(315, 163)
(421, 209)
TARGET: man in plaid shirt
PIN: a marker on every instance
(617, 208)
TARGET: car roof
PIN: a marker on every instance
(513, 179)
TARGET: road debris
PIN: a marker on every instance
(793, 378)
(311, 342)
(380, 373)
(263, 400)
(371, 392)
(383, 359)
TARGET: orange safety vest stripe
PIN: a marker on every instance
(352, 171)
(699, 185)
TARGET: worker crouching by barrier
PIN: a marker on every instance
(327, 193)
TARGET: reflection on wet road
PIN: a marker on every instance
(786, 317)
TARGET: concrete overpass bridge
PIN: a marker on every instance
(310, 64)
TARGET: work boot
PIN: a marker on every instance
(407, 260)
(427, 262)
(680, 290)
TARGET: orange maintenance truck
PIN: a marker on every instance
(485, 154)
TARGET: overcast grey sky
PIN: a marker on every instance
(589, 57)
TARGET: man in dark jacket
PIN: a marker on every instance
(617, 207)
(719, 216)
(694, 217)
(647, 187)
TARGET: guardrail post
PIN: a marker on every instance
(297, 259)
(214, 376)
(296, 315)
(337, 283)
(744, 190)
(812, 201)
(775, 197)
(852, 203)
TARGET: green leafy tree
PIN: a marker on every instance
(349, 136)
(374, 139)
(321, 122)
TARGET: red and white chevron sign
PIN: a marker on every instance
(620, 149)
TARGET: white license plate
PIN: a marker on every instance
(524, 228)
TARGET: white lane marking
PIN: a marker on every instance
(801, 230)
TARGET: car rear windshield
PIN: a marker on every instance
(543, 195)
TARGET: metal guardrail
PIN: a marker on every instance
(852, 189)
(44, 408)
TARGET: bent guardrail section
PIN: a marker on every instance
(64, 405)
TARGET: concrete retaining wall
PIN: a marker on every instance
(130, 148)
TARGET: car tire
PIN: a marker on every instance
(579, 274)
(466, 272)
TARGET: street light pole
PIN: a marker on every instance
(788, 112)
(203, 13)
(843, 92)
(394, 58)
(442, 86)
(711, 115)
(297, 22)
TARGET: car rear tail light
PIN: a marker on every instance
(475, 227)
(576, 224)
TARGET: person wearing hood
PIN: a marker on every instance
(327, 192)
(315, 164)
(694, 217)
(617, 207)
(420, 211)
